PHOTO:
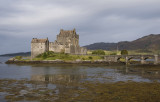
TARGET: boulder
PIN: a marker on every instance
(78, 60)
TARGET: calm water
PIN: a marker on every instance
(74, 74)
(77, 73)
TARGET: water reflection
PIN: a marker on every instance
(68, 74)
(71, 83)
(149, 73)
(58, 78)
(75, 74)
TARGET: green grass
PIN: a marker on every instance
(18, 57)
(21, 58)
(66, 57)
(130, 52)
(139, 52)
(89, 52)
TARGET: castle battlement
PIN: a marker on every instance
(35, 40)
(68, 33)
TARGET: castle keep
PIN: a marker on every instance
(67, 41)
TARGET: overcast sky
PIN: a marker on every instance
(94, 20)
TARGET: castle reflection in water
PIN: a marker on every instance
(76, 74)
(58, 78)
(59, 74)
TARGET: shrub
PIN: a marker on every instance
(98, 52)
(113, 53)
(45, 55)
(50, 54)
(83, 58)
(102, 57)
(124, 52)
(38, 56)
(90, 57)
(18, 57)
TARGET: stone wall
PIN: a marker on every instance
(51, 46)
(39, 47)
(55, 47)
(76, 50)
(83, 51)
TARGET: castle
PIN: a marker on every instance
(67, 42)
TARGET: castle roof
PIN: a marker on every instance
(35, 40)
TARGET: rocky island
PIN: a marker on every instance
(65, 49)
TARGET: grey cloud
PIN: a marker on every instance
(95, 21)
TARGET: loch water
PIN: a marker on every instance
(55, 75)
(90, 73)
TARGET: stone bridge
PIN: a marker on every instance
(142, 58)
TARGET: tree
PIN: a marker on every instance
(98, 52)
(124, 52)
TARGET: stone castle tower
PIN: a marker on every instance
(39, 46)
(67, 42)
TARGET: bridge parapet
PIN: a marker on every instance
(142, 58)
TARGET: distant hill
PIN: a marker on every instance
(18, 54)
(150, 42)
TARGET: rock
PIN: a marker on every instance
(100, 60)
(11, 59)
(78, 60)
(23, 92)
(58, 60)
(86, 61)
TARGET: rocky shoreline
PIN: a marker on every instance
(99, 62)
(77, 62)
